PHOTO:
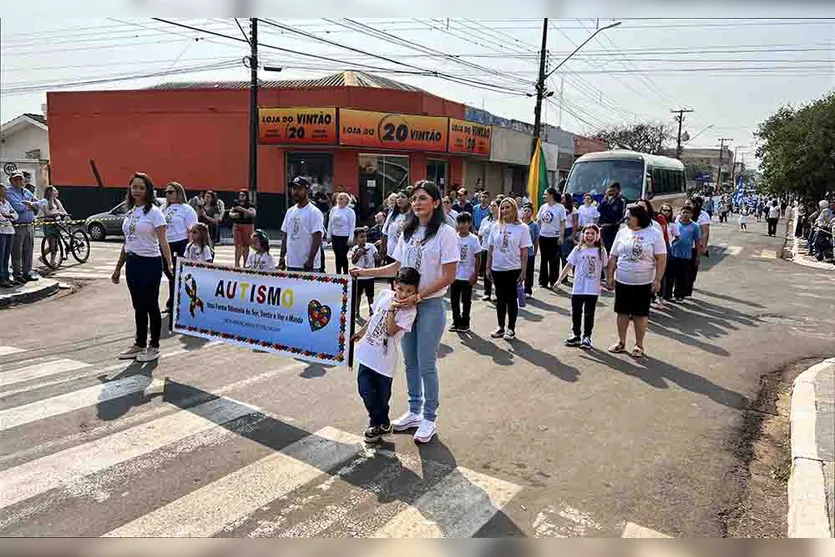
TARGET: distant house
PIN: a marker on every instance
(24, 146)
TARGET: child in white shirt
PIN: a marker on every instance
(376, 352)
(466, 274)
(363, 256)
(199, 247)
(260, 260)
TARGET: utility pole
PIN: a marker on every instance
(680, 120)
(540, 83)
(722, 141)
(253, 109)
(733, 168)
(562, 91)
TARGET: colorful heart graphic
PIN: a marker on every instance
(318, 315)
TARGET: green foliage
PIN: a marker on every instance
(644, 138)
(797, 149)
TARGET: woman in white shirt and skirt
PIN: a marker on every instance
(143, 252)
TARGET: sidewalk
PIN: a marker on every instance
(28, 293)
(812, 482)
(799, 250)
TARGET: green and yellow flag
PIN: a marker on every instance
(537, 177)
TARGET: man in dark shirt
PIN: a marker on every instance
(611, 210)
(463, 203)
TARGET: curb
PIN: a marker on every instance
(801, 259)
(46, 287)
(807, 516)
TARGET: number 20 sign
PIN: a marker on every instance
(360, 128)
(297, 126)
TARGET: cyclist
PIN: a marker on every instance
(51, 211)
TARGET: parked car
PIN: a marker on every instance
(109, 223)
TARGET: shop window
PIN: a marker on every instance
(380, 176)
(316, 166)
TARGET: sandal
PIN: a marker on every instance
(638, 352)
(617, 348)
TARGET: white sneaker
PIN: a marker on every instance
(510, 334)
(150, 354)
(425, 432)
(407, 421)
(131, 352)
(498, 332)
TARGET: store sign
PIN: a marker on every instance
(381, 130)
(297, 126)
(469, 137)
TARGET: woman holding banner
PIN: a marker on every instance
(430, 246)
(143, 251)
(179, 218)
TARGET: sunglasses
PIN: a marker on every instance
(169, 192)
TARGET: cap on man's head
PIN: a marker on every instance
(300, 182)
(16, 174)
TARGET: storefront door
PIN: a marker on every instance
(436, 172)
(379, 177)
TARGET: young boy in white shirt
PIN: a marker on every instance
(363, 256)
(466, 274)
(376, 352)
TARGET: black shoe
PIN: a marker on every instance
(6, 283)
(573, 340)
(30, 278)
(464, 329)
(374, 434)
(17, 281)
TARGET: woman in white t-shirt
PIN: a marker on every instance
(640, 256)
(393, 227)
(551, 218)
(179, 218)
(430, 246)
(144, 250)
(587, 213)
(341, 225)
(507, 260)
(487, 224)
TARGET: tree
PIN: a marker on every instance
(648, 137)
(797, 149)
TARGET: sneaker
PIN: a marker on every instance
(464, 329)
(498, 332)
(585, 344)
(150, 354)
(573, 340)
(454, 328)
(30, 278)
(425, 432)
(528, 295)
(131, 352)
(485, 298)
(385, 429)
(374, 434)
(510, 334)
(406, 421)
(6, 283)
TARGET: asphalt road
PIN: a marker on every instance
(535, 439)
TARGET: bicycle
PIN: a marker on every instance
(59, 240)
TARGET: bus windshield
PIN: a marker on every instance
(595, 176)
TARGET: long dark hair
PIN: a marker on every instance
(650, 209)
(149, 192)
(698, 203)
(568, 202)
(436, 220)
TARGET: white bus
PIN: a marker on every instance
(639, 175)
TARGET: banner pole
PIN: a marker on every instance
(353, 322)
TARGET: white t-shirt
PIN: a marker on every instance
(179, 218)
(636, 251)
(774, 212)
(468, 247)
(376, 349)
(365, 261)
(588, 268)
(587, 215)
(260, 261)
(428, 257)
(140, 230)
(194, 253)
(569, 218)
(550, 217)
(506, 242)
(484, 231)
(342, 222)
(393, 229)
(657, 225)
(300, 224)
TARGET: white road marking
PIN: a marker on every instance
(767, 254)
(204, 512)
(733, 250)
(63, 468)
(37, 371)
(567, 522)
(6, 350)
(456, 507)
(632, 530)
(50, 407)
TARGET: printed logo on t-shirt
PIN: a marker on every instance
(591, 266)
(294, 234)
(465, 249)
(637, 249)
(547, 217)
(505, 243)
(169, 216)
(378, 329)
(337, 221)
(132, 219)
(414, 255)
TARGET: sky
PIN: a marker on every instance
(733, 73)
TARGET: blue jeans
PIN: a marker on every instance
(6, 241)
(420, 350)
(375, 391)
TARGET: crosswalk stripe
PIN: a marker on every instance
(733, 250)
(632, 530)
(768, 254)
(7, 350)
(456, 507)
(39, 370)
(50, 407)
(39, 476)
(204, 512)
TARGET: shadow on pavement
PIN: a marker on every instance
(115, 408)
(728, 298)
(485, 347)
(656, 373)
(437, 460)
(544, 360)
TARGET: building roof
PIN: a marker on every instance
(348, 78)
(23, 120)
(36, 117)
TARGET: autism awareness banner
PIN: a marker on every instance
(305, 315)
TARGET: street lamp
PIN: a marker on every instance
(698, 134)
(600, 30)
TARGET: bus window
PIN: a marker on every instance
(594, 176)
